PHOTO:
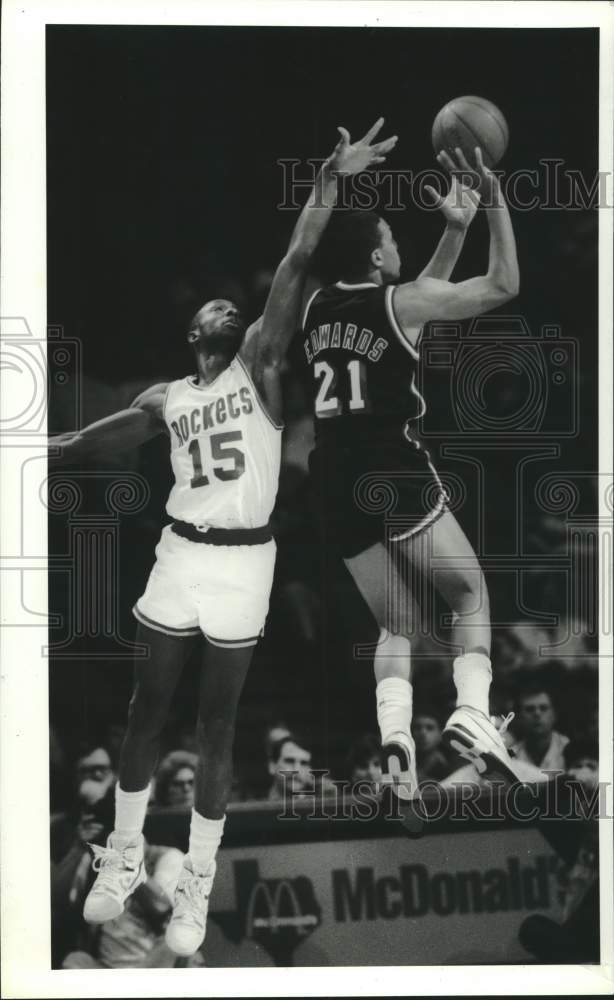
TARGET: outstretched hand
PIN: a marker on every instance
(351, 158)
(479, 177)
(459, 205)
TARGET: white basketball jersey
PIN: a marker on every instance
(225, 451)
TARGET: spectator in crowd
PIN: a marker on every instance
(92, 780)
(290, 770)
(59, 775)
(89, 819)
(582, 762)
(135, 939)
(272, 734)
(364, 762)
(431, 762)
(576, 938)
(175, 779)
(541, 745)
(95, 765)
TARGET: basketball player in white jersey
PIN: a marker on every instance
(214, 562)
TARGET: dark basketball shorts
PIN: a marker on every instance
(384, 491)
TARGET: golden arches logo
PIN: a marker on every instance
(272, 900)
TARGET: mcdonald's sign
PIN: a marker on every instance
(278, 913)
(282, 897)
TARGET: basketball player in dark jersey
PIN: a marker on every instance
(360, 340)
(214, 565)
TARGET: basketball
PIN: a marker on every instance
(469, 122)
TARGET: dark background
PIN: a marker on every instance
(162, 189)
(162, 146)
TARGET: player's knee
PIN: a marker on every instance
(482, 593)
(471, 593)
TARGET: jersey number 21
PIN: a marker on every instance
(331, 399)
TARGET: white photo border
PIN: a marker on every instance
(24, 705)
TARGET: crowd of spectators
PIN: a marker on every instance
(306, 675)
(542, 751)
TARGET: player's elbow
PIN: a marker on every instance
(505, 288)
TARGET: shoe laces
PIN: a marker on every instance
(109, 863)
(500, 733)
(192, 895)
(506, 721)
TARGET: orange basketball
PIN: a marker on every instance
(469, 122)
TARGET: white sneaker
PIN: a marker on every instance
(119, 874)
(472, 734)
(399, 766)
(399, 778)
(186, 929)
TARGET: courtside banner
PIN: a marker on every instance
(452, 898)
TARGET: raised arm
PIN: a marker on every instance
(265, 349)
(428, 298)
(121, 431)
(459, 208)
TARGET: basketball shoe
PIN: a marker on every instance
(399, 779)
(475, 737)
(119, 874)
(186, 929)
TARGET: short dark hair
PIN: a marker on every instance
(168, 768)
(363, 750)
(531, 691)
(348, 244)
(87, 747)
(579, 748)
(294, 737)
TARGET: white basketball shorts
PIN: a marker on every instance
(220, 590)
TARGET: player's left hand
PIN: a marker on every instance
(459, 205)
(351, 158)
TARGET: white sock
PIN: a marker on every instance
(394, 698)
(130, 810)
(472, 677)
(205, 837)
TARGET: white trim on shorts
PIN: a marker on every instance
(192, 630)
(437, 510)
(171, 630)
(232, 643)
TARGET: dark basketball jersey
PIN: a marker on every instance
(363, 367)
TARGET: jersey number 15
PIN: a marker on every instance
(219, 452)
